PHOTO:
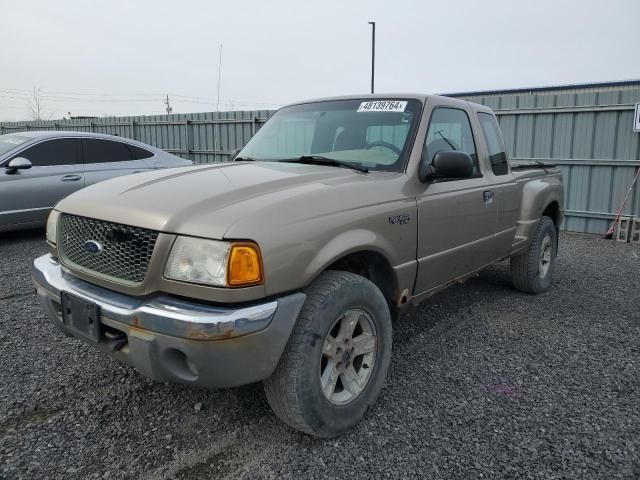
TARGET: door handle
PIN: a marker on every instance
(487, 196)
(71, 178)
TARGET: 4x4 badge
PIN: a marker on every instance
(399, 219)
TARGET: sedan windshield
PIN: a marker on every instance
(367, 134)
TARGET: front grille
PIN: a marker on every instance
(109, 249)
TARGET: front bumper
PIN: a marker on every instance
(170, 339)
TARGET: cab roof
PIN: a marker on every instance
(421, 97)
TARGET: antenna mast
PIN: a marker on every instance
(219, 75)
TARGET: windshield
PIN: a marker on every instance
(9, 142)
(369, 133)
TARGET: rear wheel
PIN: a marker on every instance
(532, 271)
(335, 363)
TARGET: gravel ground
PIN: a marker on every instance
(485, 382)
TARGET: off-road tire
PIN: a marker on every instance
(526, 270)
(294, 390)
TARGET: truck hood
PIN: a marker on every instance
(207, 201)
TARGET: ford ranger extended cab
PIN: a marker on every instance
(288, 264)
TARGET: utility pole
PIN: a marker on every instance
(373, 54)
(219, 75)
(166, 102)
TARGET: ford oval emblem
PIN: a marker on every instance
(92, 247)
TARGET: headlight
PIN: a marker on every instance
(52, 226)
(213, 262)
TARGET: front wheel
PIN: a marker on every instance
(336, 361)
(532, 271)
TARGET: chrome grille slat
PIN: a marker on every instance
(126, 250)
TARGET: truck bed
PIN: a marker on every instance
(533, 170)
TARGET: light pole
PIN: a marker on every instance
(373, 54)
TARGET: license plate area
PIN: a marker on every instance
(81, 316)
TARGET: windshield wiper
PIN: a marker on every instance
(244, 159)
(439, 132)
(320, 160)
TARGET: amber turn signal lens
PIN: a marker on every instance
(245, 266)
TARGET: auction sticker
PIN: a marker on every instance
(382, 106)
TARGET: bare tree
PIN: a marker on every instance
(36, 105)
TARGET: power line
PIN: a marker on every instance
(90, 104)
(87, 94)
(47, 95)
(99, 96)
(21, 96)
(162, 99)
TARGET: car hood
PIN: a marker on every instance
(210, 201)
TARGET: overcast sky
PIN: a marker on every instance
(121, 57)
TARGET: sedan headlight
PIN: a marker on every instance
(52, 226)
(214, 262)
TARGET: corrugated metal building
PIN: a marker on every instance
(586, 129)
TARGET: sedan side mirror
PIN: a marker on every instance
(447, 164)
(18, 163)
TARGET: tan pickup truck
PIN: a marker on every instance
(288, 264)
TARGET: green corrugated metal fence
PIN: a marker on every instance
(588, 132)
(201, 137)
(585, 129)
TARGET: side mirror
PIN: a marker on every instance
(18, 163)
(234, 154)
(447, 164)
